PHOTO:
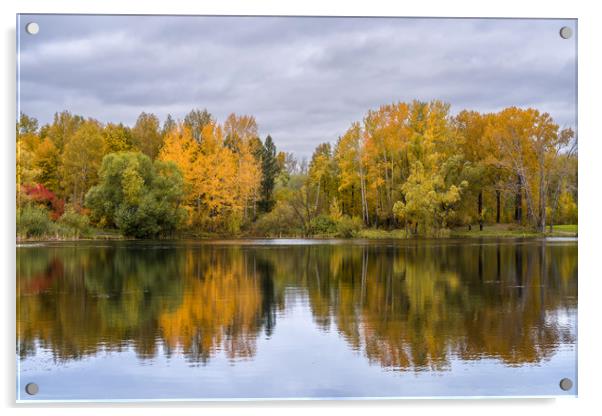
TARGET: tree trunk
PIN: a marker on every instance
(351, 208)
(518, 208)
(542, 195)
(365, 216)
(318, 196)
(498, 201)
(480, 210)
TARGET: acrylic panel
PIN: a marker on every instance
(269, 207)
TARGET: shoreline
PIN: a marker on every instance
(369, 235)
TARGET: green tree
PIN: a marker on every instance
(269, 169)
(138, 196)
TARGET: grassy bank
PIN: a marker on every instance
(92, 234)
(489, 231)
(512, 231)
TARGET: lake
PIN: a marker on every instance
(296, 319)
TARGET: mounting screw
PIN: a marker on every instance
(32, 389)
(566, 384)
(566, 32)
(32, 28)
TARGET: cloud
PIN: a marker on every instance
(304, 79)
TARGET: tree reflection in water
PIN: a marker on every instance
(406, 306)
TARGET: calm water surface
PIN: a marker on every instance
(296, 318)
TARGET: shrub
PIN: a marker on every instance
(39, 194)
(33, 221)
(278, 222)
(73, 224)
(323, 224)
(348, 227)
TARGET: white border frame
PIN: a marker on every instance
(590, 169)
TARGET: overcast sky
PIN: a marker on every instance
(304, 79)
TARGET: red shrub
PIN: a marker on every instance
(42, 195)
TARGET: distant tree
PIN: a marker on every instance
(352, 173)
(117, 138)
(26, 124)
(269, 169)
(62, 128)
(146, 135)
(138, 196)
(27, 144)
(256, 148)
(168, 125)
(81, 159)
(239, 130)
(321, 175)
(196, 120)
(47, 162)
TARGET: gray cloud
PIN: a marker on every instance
(304, 79)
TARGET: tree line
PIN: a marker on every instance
(408, 166)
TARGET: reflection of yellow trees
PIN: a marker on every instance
(407, 306)
(416, 306)
(76, 301)
(220, 309)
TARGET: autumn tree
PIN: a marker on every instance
(429, 202)
(168, 125)
(216, 169)
(28, 141)
(480, 172)
(180, 148)
(117, 138)
(62, 129)
(527, 144)
(322, 176)
(26, 125)
(241, 137)
(47, 161)
(146, 135)
(563, 187)
(209, 170)
(238, 130)
(81, 160)
(196, 120)
(386, 137)
(351, 172)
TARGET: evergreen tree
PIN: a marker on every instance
(269, 169)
